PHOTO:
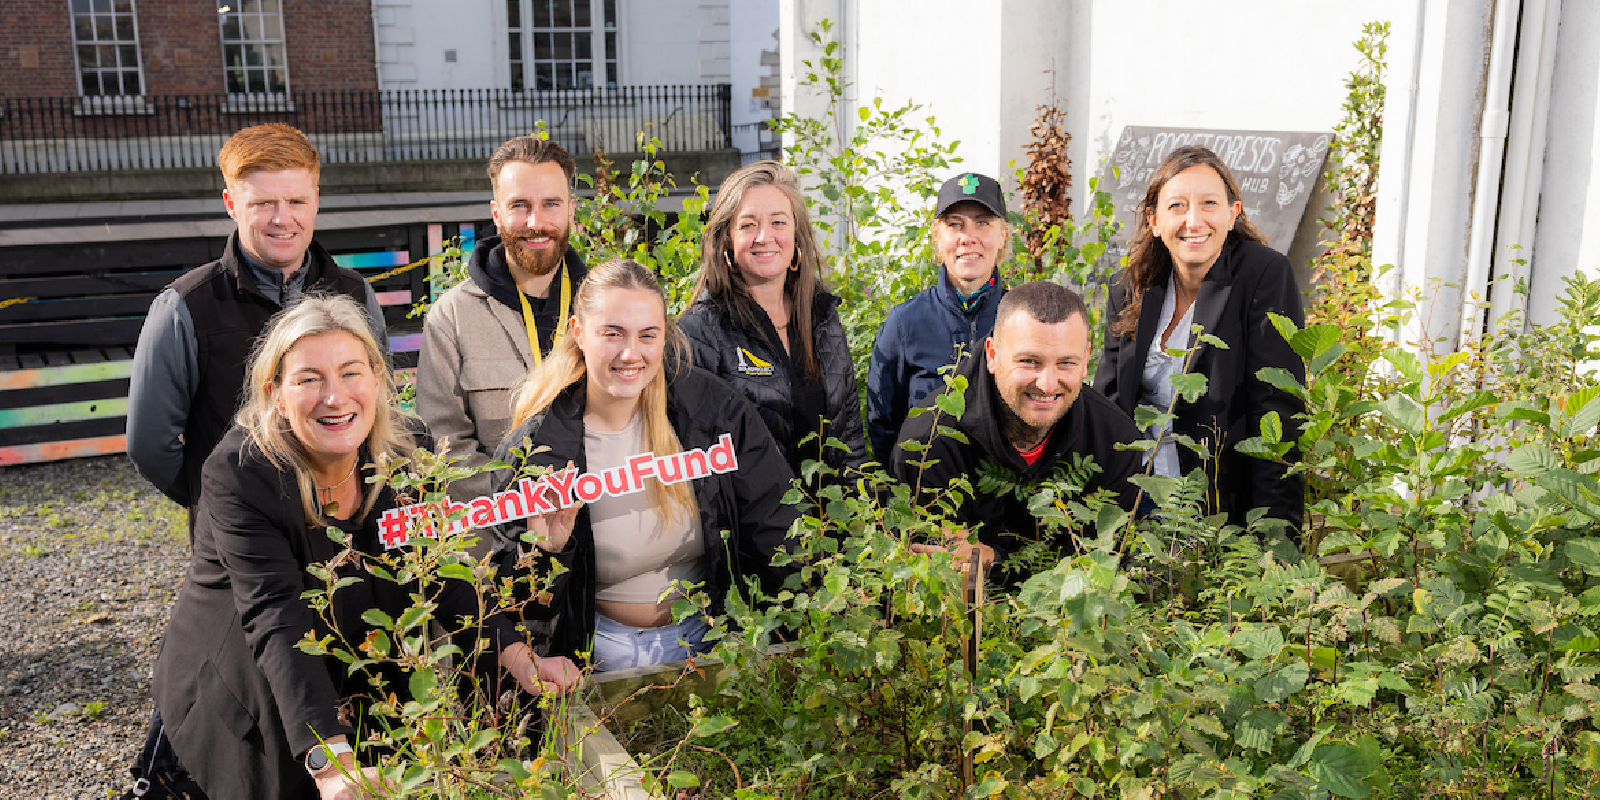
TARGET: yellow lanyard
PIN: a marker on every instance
(561, 320)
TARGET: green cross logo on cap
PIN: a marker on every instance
(969, 184)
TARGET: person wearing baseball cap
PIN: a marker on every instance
(945, 322)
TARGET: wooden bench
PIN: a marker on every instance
(72, 315)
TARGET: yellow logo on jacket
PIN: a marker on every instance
(750, 365)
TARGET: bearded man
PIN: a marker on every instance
(1025, 412)
(484, 334)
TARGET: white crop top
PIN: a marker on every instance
(638, 554)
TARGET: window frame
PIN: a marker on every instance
(522, 59)
(251, 100)
(107, 100)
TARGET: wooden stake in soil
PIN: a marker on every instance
(973, 595)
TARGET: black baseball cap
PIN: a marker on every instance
(970, 186)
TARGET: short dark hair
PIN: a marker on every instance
(532, 150)
(1045, 301)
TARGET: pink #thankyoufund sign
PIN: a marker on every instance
(531, 497)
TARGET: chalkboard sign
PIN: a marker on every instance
(1277, 172)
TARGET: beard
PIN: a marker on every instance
(535, 262)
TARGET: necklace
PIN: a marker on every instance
(332, 506)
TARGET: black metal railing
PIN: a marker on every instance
(747, 136)
(72, 134)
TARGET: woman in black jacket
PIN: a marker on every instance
(762, 321)
(1196, 259)
(664, 459)
(247, 712)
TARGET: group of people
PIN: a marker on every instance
(652, 453)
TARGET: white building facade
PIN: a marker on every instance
(1490, 128)
(546, 46)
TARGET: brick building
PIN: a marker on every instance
(133, 48)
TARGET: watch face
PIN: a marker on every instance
(317, 759)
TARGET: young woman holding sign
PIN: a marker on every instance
(604, 395)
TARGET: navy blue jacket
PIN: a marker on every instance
(920, 337)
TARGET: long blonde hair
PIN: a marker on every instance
(721, 281)
(269, 431)
(565, 367)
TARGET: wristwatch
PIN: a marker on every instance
(318, 758)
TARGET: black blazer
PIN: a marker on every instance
(1247, 282)
(241, 703)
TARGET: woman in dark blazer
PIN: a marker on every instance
(1196, 259)
(247, 712)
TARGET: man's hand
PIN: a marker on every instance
(955, 542)
(540, 675)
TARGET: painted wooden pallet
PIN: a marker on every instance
(74, 313)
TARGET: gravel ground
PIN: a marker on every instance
(91, 559)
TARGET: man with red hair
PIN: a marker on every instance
(188, 369)
(189, 365)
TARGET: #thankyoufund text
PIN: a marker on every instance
(530, 497)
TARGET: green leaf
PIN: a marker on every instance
(1533, 460)
(481, 739)
(1324, 359)
(460, 572)
(1472, 402)
(377, 619)
(1256, 729)
(680, 779)
(414, 777)
(1404, 412)
(711, 726)
(514, 768)
(1189, 385)
(1585, 553)
(990, 786)
(1271, 427)
(1147, 417)
(1286, 328)
(415, 616)
(1315, 340)
(1280, 378)
(952, 403)
(1281, 683)
(1340, 769)
(1258, 644)
(1583, 420)
(422, 683)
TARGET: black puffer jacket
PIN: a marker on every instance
(746, 502)
(755, 363)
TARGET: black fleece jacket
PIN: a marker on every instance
(746, 503)
(1092, 426)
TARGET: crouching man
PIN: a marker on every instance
(1025, 411)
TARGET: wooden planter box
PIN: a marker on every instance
(626, 696)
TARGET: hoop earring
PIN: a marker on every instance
(794, 262)
(728, 259)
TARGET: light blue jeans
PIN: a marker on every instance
(618, 646)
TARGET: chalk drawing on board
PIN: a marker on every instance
(1276, 171)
